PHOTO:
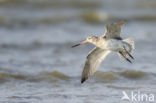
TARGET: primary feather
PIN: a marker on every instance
(93, 60)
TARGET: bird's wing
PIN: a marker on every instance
(113, 30)
(93, 60)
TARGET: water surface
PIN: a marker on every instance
(38, 65)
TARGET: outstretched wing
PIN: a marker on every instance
(113, 30)
(93, 60)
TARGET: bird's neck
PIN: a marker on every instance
(98, 41)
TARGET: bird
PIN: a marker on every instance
(110, 41)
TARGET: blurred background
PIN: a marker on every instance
(38, 65)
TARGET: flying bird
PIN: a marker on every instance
(110, 41)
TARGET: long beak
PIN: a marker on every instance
(83, 42)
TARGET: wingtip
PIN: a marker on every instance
(120, 23)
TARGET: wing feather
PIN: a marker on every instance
(93, 60)
(113, 30)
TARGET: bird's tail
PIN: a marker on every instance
(131, 43)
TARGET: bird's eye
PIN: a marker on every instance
(90, 38)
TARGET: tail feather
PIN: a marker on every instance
(131, 43)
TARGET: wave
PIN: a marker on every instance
(99, 76)
(48, 76)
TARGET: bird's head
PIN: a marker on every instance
(90, 39)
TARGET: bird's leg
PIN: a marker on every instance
(125, 57)
(128, 53)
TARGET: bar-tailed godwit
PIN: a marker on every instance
(109, 42)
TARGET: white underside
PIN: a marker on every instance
(115, 45)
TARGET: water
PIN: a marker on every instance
(38, 65)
